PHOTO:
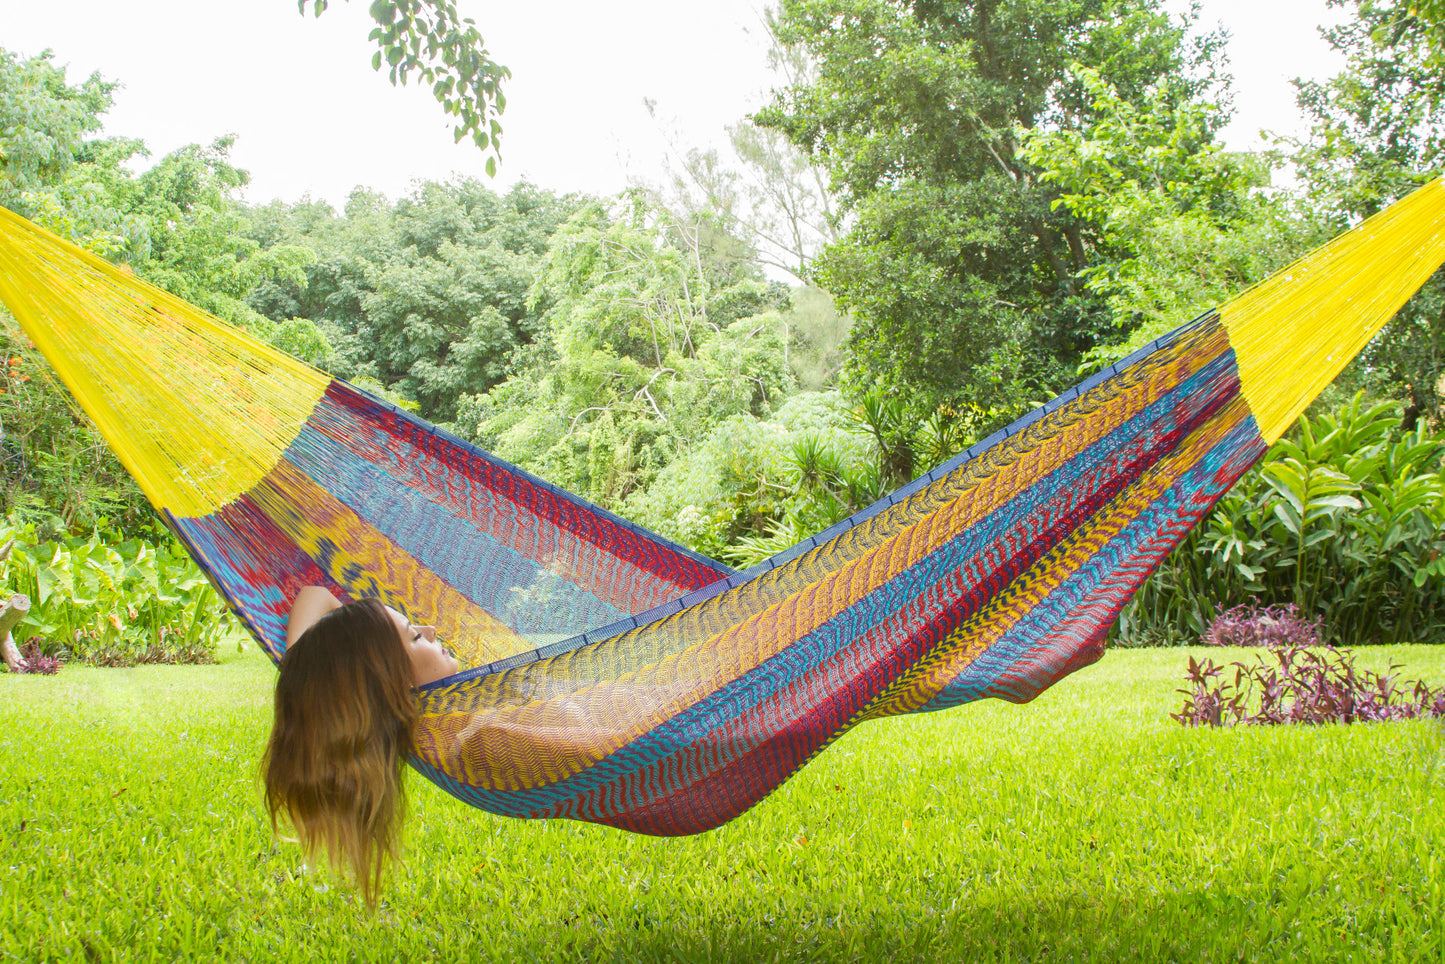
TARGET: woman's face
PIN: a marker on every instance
(429, 661)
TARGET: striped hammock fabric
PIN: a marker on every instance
(615, 677)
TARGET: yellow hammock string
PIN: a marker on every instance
(196, 410)
(1295, 331)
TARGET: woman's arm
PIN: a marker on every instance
(312, 602)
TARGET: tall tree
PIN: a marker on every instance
(963, 277)
(768, 194)
(52, 169)
(1186, 224)
(197, 246)
(429, 298)
(176, 224)
(650, 341)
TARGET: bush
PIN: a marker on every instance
(1342, 521)
(112, 601)
(1251, 624)
(35, 661)
(743, 480)
(1296, 684)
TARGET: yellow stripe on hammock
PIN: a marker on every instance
(369, 564)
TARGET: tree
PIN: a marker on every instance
(51, 170)
(345, 247)
(1187, 225)
(1424, 19)
(429, 298)
(650, 340)
(772, 200)
(45, 121)
(770, 195)
(197, 246)
(430, 39)
(175, 224)
(768, 206)
(964, 279)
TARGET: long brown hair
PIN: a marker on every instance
(345, 718)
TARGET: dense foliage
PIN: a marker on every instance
(968, 284)
(429, 297)
(111, 600)
(1379, 132)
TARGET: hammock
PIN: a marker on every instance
(616, 677)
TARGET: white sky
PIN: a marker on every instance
(313, 118)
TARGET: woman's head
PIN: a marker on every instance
(429, 659)
(344, 721)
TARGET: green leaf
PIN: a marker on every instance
(383, 11)
(1286, 479)
(1287, 517)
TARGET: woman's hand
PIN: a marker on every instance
(311, 604)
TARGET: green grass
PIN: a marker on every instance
(1085, 826)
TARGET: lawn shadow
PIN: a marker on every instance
(1237, 922)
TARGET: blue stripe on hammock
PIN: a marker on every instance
(425, 428)
(472, 562)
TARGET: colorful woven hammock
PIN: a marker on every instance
(619, 678)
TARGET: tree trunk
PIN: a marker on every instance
(1061, 271)
(13, 610)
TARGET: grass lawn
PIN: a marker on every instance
(1084, 826)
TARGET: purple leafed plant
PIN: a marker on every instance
(37, 662)
(1299, 685)
(1250, 624)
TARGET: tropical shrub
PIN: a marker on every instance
(114, 601)
(1250, 624)
(754, 488)
(744, 480)
(1343, 520)
(34, 660)
(1298, 684)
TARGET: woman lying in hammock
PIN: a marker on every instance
(345, 718)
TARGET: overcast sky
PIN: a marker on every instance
(313, 118)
